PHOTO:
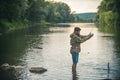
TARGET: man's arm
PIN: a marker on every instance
(83, 38)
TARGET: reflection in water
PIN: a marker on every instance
(117, 44)
(108, 72)
(75, 76)
(117, 55)
(13, 48)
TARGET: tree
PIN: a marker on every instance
(12, 9)
(108, 15)
(36, 10)
(58, 12)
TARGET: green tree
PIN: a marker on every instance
(36, 10)
(58, 12)
(108, 16)
(12, 9)
(64, 11)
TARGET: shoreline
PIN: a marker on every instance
(23, 25)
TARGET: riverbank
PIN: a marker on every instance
(7, 27)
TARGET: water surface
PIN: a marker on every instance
(20, 48)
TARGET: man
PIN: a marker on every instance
(76, 40)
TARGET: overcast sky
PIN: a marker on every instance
(82, 6)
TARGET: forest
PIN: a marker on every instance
(108, 16)
(88, 17)
(17, 14)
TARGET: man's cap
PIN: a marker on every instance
(77, 29)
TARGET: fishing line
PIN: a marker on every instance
(90, 32)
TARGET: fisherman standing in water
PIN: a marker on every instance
(76, 40)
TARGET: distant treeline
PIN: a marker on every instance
(108, 16)
(86, 17)
(17, 13)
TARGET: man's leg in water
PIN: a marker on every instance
(75, 61)
(74, 68)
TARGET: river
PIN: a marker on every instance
(20, 48)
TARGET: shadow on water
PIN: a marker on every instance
(117, 44)
(117, 53)
(108, 74)
(113, 74)
(13, 47)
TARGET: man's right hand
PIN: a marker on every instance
(91, 34)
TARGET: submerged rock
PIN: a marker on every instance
(37, 69)
(107, 79)
(5, 66)
(17, 68)
(38, 47)
(108, 35)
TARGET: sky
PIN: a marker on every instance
(82, 6)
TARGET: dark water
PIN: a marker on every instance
(20, 48)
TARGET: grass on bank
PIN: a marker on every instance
(6, 27)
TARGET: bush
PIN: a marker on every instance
(107, 21)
